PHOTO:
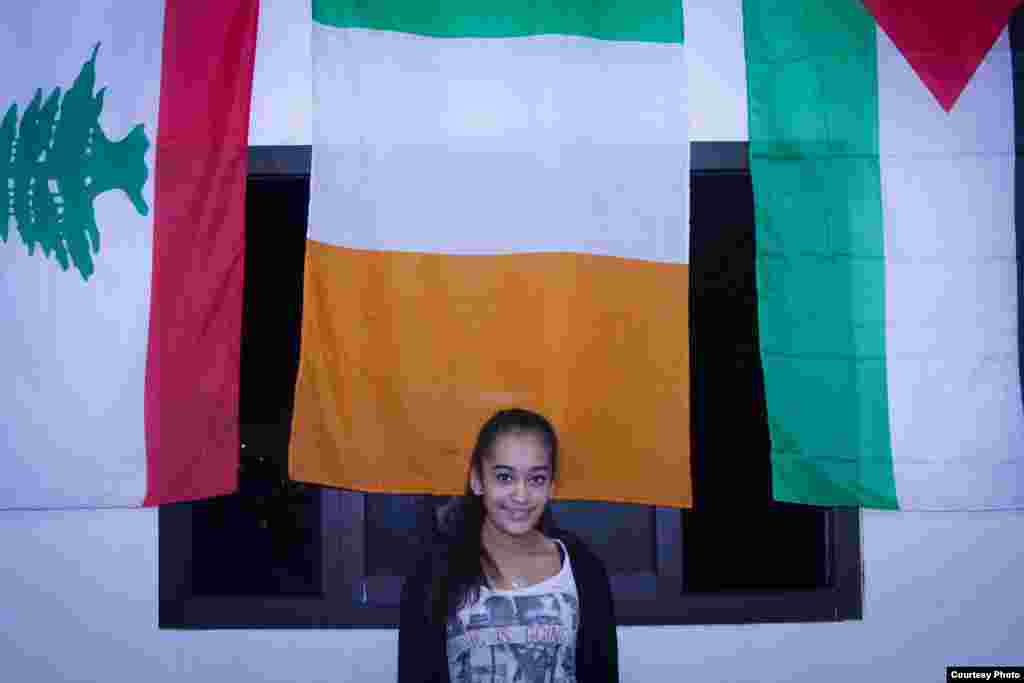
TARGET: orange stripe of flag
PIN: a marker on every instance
(404, 355)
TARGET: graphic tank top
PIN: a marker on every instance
(518, 636)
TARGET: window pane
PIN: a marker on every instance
(623, 536)
(264, 540)
(275, 243)
(393, 533)
(736, 538)
(782, 547)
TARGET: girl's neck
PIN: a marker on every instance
(499, 543)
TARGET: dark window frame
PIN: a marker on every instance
(350, 599)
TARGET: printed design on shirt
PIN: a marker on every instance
(515, 639)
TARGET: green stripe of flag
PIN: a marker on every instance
(813, 116)
(654, 21)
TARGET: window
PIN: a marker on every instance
(285, 554)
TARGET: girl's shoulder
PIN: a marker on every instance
(578, 550)
(567, 537)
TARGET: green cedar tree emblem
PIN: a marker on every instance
(56, 161)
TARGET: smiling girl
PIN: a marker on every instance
(503, 595)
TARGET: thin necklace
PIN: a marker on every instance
(517, 582)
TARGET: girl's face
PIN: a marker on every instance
(514, 483)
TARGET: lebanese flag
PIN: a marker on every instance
(887, 267)
(499, 217)
(124, 162)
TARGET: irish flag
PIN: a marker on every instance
(122, 164)
(498, 217)
(887, 266)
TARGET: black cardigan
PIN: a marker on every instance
(422, 646)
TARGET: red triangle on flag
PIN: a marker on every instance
(943, 41)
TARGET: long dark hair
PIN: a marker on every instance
(459, 566)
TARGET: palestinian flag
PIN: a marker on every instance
(887, 266)
(943, 42)
(498, 217)
(123, 159)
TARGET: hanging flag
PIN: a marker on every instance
(498, 217)
(943, 41)
(123, 158)
(1016, 30)
(886, 265)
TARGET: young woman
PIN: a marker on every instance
(504, 596)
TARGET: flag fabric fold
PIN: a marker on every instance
(124, 160)
(498, 217)
(887, 268)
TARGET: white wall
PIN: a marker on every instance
(78, 602)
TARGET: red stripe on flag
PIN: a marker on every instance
(943, 42)
(192, 364)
